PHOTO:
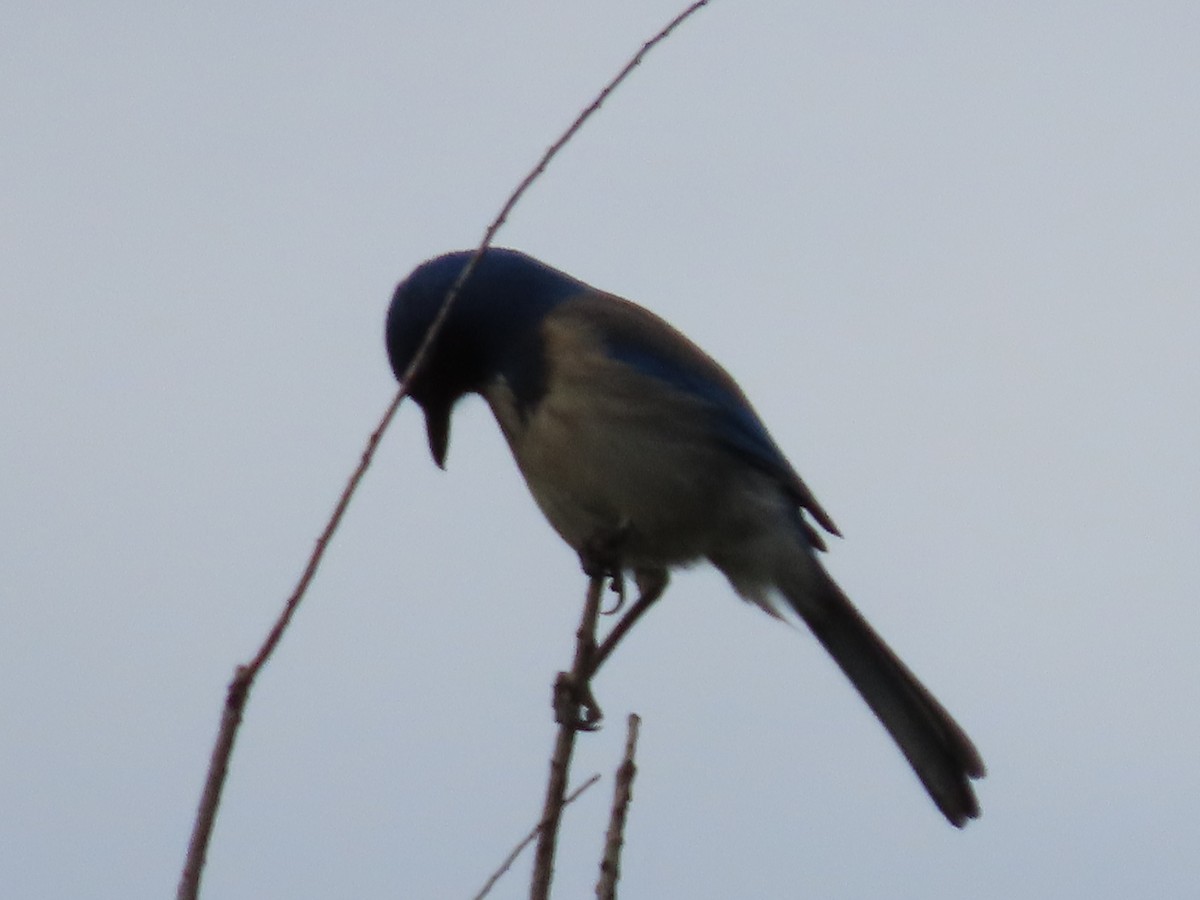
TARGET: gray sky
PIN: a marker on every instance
(950, 251)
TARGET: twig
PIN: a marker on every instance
(243, 679)
(610, 864)
(528, 839)
(567, 706)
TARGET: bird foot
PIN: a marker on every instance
(601, 558)
(575, 705)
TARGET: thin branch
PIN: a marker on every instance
(567, 707)
(610, 864)
(528, 839)
(634, 62)
(243, 679)
(238, 692)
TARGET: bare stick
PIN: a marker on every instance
(610, 864)
(238, 692)
(567, 709)
(512, 857)
(243, 679)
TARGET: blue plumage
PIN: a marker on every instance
(734, 422)
(632, 438)
(494, 328)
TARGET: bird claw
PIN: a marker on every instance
(575, 705)
(617, 586)
(601, 558)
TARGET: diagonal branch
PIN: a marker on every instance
(239, 689)
(243, 679)
(537, 829)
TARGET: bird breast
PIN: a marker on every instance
(607, 448)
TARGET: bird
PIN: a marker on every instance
(646, 456)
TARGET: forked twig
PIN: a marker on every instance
(528, 839)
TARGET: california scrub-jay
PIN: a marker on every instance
(631, 438)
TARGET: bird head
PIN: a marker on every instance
(492, 331)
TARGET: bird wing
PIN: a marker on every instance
(645, 342)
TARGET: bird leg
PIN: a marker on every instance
(575, 707)
(601, 558)
(651, 585)
(574, 703)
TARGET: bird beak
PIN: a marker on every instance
(437, 428)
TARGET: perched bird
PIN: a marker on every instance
(633, 440)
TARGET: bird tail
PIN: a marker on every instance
(936, 747)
